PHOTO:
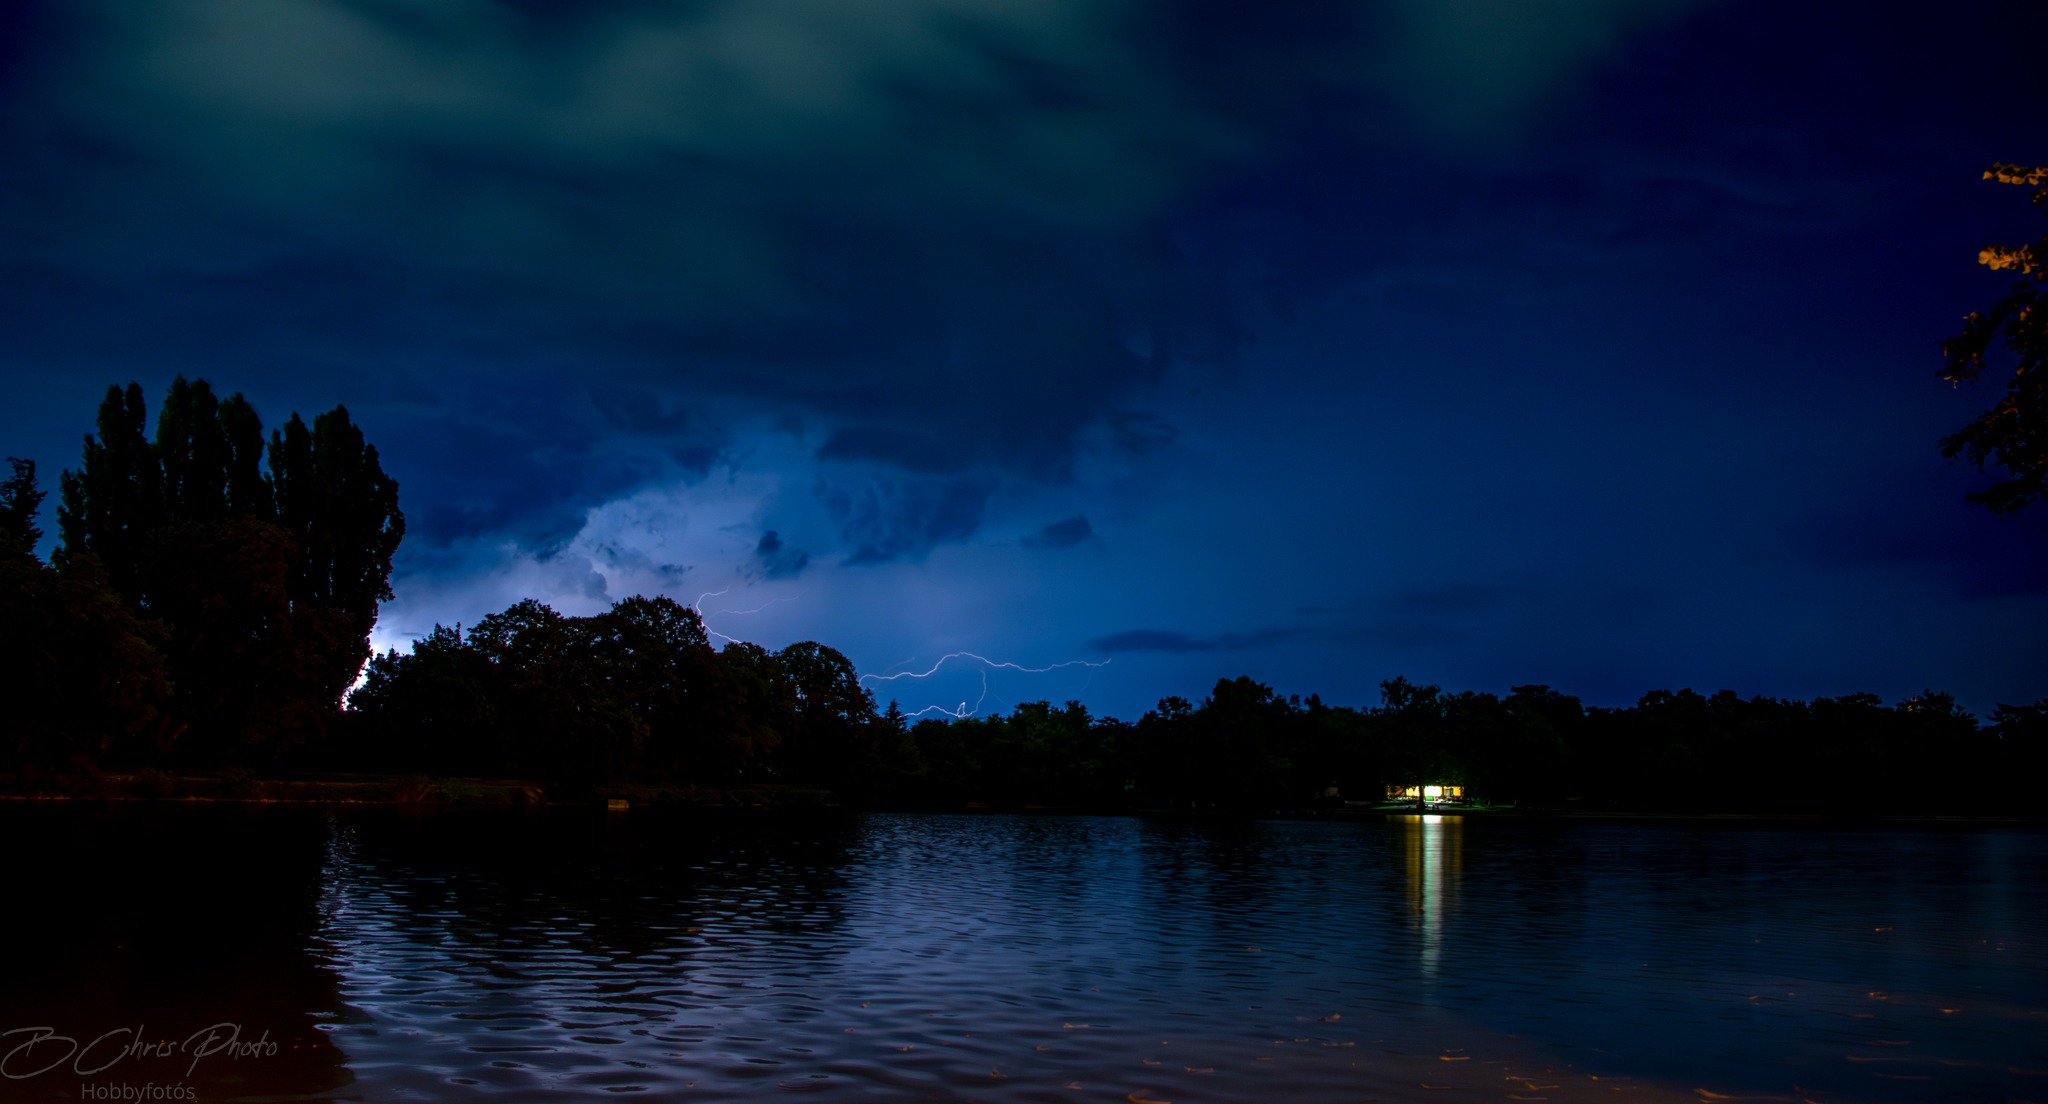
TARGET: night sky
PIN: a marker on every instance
(1588, 342)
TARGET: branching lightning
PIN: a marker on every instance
(985, 665)
(703, 618)
(698, 607)
(982, 664)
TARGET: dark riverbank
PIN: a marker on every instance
(384, 789)
(239, 786)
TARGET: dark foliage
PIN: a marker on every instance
(255, 590)
(2013, 434)
(81, 677)
(20, 501)
(631, 694)
(635, 694)
(80, 674)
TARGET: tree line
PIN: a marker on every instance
(211, 595)
(638, 694)
(633, 694)
(210, 599)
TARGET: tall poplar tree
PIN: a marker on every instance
(333, 497)
(113, 502)
(266, 584)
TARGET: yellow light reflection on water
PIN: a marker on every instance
(1432, 850)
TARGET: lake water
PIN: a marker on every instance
(264, 954)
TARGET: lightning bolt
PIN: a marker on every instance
(960, 714)
(703, 617)
(985, 666)
(698, 607)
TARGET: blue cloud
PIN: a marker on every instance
(904, 519)
(1061, 534)
(778, 560)
(1170, 640)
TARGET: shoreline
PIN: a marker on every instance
(232, 787)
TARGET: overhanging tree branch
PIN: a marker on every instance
(2013, 434)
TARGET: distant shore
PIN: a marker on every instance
(240, 786)
(234, 786)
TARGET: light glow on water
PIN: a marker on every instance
(1432, 850)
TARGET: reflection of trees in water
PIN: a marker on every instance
(1219, 868)
(1289, 891)
(1004, 864)
(1024, 897)
(519, 892)
(169, 919)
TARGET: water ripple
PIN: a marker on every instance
(1062, 958)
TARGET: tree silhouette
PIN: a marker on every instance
(657, 657)
(759, 703)
(111, 505)
(1411, 722)
(80, 676)
(433, 711)
(563, 717)
(2014, 432)
(20, 502)
(266, 584)
(832, 732)
(332, 496)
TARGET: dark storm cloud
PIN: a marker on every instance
(640, 409)
(483, 457)
(913, 450)
(778, 560)
(1150, 640)
(1414, 618)
(1172, 640)
(905, 519)
(954, 234)
(1065, 533)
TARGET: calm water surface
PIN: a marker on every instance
(288, 954)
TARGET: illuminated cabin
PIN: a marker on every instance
(1433, 795)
